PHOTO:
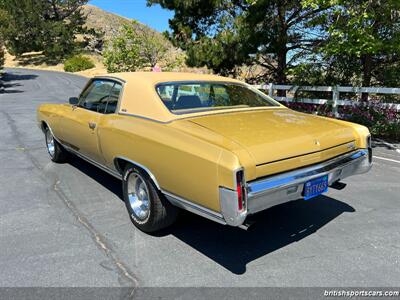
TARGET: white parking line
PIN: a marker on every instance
(388, 159)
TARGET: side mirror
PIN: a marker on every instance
(73, 100)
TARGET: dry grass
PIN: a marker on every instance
(32, 60)
(36, 60)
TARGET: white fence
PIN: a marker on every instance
(335, 90)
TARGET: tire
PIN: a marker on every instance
(148, 209)
(57, 153)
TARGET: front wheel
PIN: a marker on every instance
(148, 209)
(57, 153)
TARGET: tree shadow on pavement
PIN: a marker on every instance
(9, 80)
(233, 248)
(37, 59)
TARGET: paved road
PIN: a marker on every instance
(66, 225)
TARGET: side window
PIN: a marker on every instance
(112, 102)
(95, 97)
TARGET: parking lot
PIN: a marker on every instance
(66, 225)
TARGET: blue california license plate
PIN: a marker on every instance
(315, 187)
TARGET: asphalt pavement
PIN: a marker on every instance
(66, 225)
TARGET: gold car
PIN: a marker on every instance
(212, 145)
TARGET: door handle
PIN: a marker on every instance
(92, 125)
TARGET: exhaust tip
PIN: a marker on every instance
(337, 185)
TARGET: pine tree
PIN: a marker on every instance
(50, 26)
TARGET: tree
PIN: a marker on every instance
(122, 53)
(1, 53)
(50, 26)
(3, 20)
(153, 46)
(224, 35)
(365, 32)
(136, 47)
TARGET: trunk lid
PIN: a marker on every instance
(272, 135)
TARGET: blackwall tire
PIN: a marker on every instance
(148, 208)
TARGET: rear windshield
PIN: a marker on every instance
(190, 97)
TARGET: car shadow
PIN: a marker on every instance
(275, 228)
(109, 182)
(9, 81)
(233, 248)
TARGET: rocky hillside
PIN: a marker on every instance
(109, 23)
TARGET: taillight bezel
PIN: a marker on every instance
(241, 190)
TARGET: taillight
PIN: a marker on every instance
(240, 189)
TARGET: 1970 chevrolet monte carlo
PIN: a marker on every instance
(212, 145)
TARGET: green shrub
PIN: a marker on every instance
(78, 63)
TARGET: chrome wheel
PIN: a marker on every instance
(50, 143)
(138, 195)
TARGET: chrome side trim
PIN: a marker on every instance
(139, 165)
(174, 199)
(95, 163)
(105, 168)
(194, 208)
(69, 149)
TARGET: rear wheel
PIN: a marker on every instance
(148, 209)
(57, 153)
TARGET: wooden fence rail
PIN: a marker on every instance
(335, 90)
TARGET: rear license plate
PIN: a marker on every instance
(315, 187)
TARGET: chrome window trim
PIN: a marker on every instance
(269, 100)
(209, 113)
(143, 118)
(105, 78)
(109, 78)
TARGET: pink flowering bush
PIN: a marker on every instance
(382, 120)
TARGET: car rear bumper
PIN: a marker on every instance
(277, 189)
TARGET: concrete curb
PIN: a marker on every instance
(390, 145)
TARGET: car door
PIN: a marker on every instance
(80, 128)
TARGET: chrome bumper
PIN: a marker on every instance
(270, 191)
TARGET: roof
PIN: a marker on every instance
(141, 99)
(158, 77)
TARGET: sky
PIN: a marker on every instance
(154, 16)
